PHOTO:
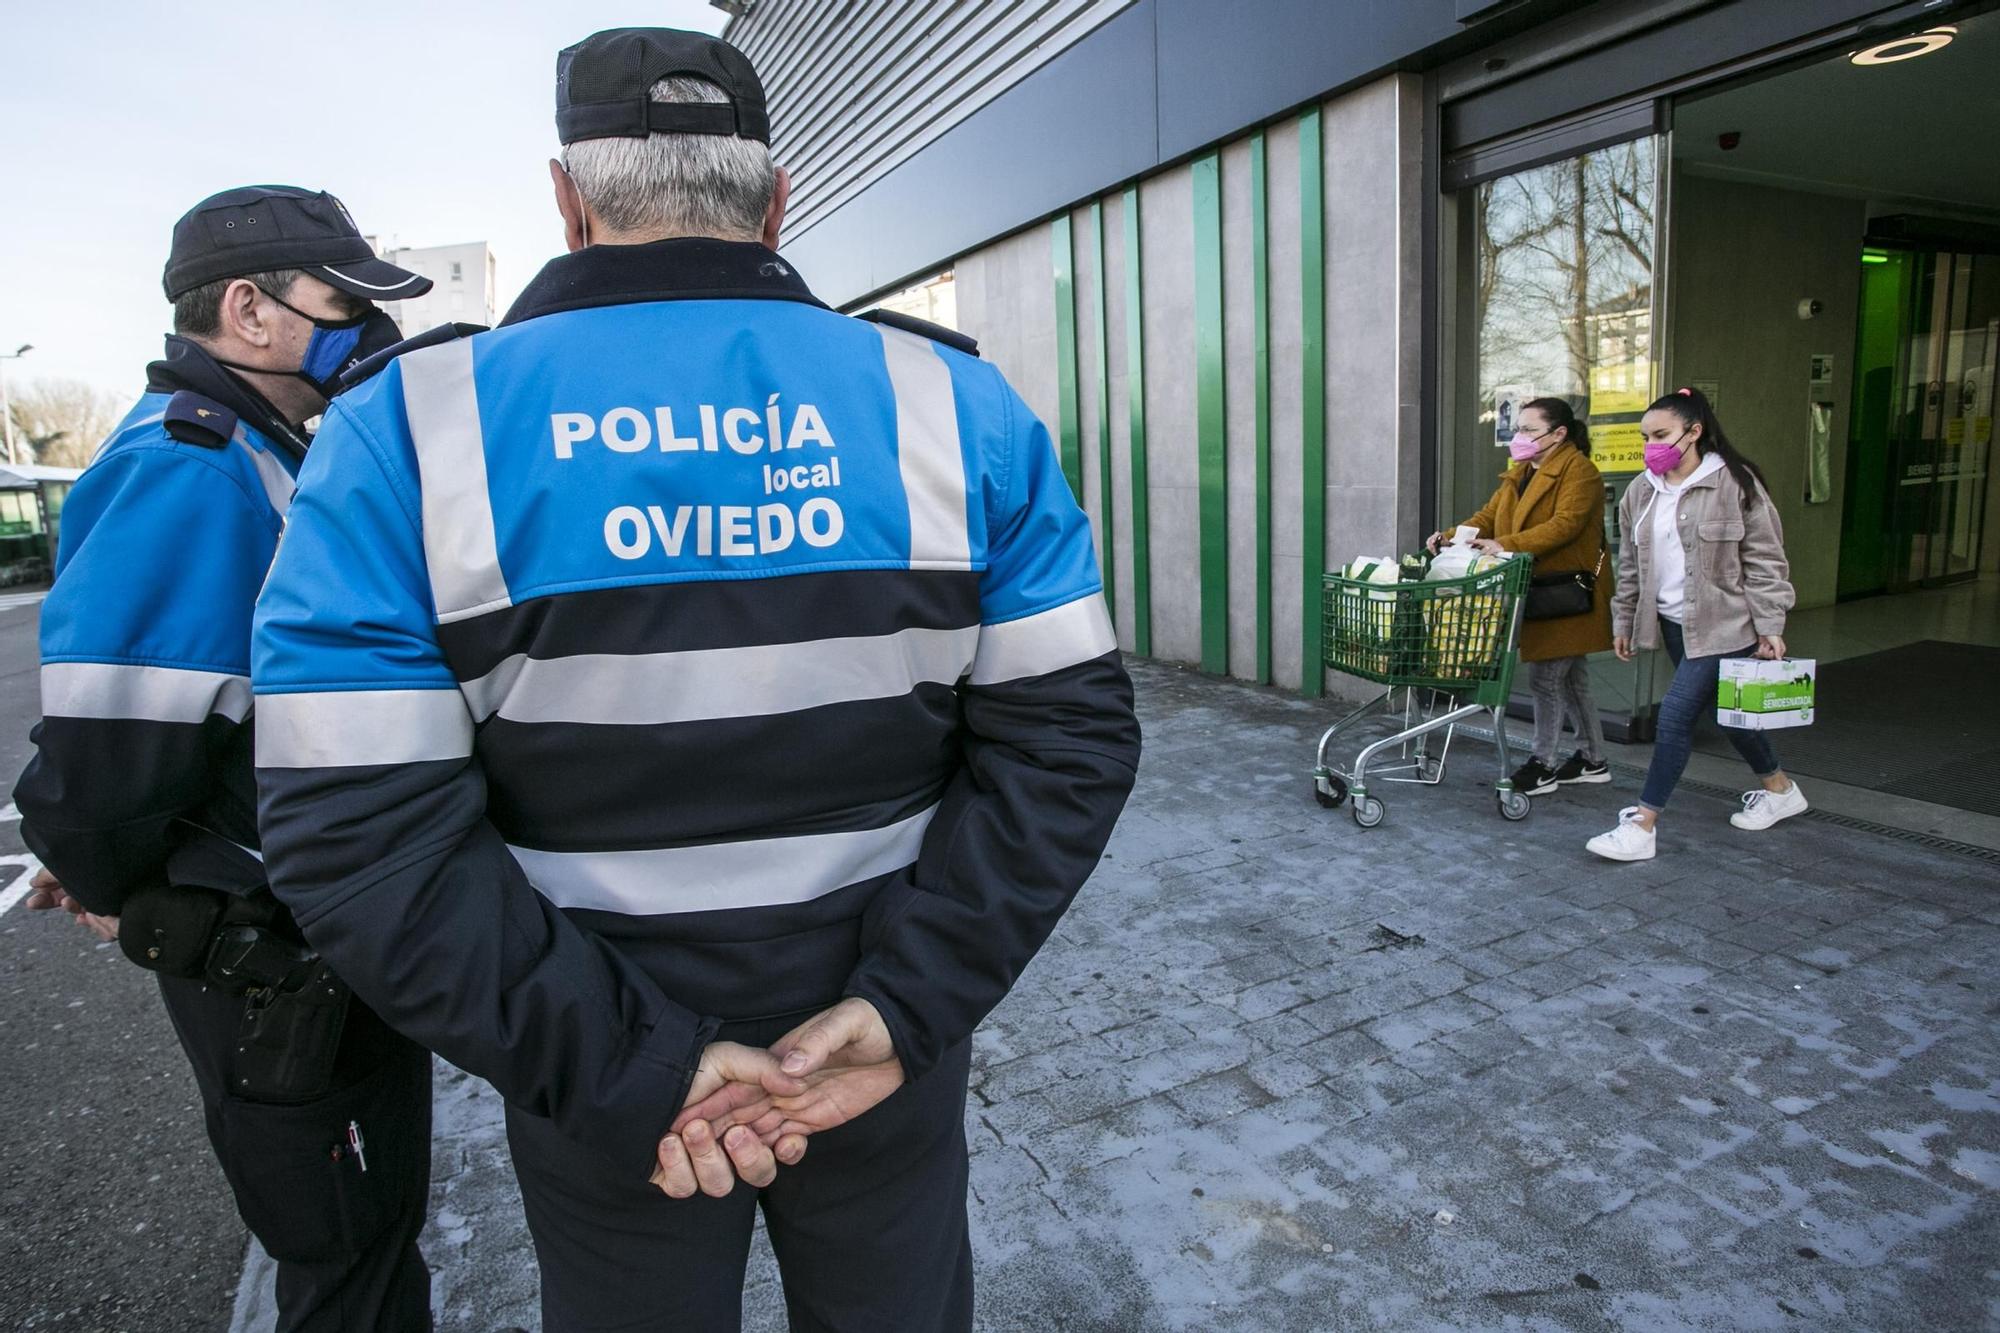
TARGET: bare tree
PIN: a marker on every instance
(61, 421)
(1565, 258)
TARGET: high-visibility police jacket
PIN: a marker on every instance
(681, 651)
(145, 634)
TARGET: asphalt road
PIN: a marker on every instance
(113, 1214)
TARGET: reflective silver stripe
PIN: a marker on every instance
(1047, 641)
(764, 872)
(927, 451)
(278, 483)
(351, 728)
(143, 693)
(459, 545)
(695, 686)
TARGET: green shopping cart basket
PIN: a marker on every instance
(1444, 649)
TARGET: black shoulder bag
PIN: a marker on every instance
(1560, 596)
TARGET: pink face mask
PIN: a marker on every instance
(1524, 446)
(1664, 458)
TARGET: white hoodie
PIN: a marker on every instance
(1669, 555)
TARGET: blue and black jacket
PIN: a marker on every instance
(145, 636)
(681, 651)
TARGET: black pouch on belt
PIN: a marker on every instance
(210, 883)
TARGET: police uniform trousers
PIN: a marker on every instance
(869, 1228)
(345, 1240)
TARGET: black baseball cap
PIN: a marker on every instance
(604, 85)
(261, 228)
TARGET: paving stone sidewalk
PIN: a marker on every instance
(1277, 1072)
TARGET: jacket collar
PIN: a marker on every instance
(1545, 477)
(187, 365)
(688, 268)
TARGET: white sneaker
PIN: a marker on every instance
(1761, 808)
(1630, 841)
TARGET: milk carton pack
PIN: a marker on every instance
(1764, 696)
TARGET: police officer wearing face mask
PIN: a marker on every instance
(140, 799)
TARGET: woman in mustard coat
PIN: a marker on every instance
(1550, 504)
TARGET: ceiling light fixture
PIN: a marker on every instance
(1906, 48)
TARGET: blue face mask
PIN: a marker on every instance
(337, 344)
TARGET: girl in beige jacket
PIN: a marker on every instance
(1701, 572)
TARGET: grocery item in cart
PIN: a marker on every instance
(1366, 624)
(1464, 630)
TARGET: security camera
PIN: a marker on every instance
(1810, 308)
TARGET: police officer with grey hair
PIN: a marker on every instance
(690, 708)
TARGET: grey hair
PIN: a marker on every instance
(198, 310)
(677, 184)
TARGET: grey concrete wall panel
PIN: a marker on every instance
(1120, 408)
(1166, 220)
(1239, 408)
(1744, 256)
(1006, 296)
(1281, 150)
(1412, 293)
(1373, 314)
(1089, 405)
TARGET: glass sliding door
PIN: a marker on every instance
(1557, 294)
(1949, 431)
(1922, 441)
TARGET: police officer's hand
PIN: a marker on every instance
(710, 1157)
(847, 1061)
(45, 892)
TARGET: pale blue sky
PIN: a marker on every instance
(432, 119)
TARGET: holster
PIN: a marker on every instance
(215, 920)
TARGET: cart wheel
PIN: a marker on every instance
(1368, 811)
(1430, 768)
(1514, 805)
(1329, 789)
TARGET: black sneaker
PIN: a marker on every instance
(1534, 779)
(1576, 769)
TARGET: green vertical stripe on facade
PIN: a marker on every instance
(1064, 256)
(1135, 390)
(1260, 323)
(1107, 560)
(1312, 381)
(1211, 437)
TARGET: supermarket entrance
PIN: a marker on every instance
(1835, 279)
(1818, 249)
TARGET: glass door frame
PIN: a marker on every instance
(1458, 341)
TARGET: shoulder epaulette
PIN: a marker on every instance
(193, 419)
(369, 367)
(923, 328)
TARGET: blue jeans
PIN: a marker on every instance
(1689, 697)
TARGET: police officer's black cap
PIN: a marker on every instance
(264, 228)
(604, 85)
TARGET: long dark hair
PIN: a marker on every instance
(1561, 416)
(1692, 408)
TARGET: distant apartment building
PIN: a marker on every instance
(463, 290)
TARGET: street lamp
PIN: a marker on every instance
(6, 407)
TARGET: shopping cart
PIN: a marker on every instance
(1445, 649)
